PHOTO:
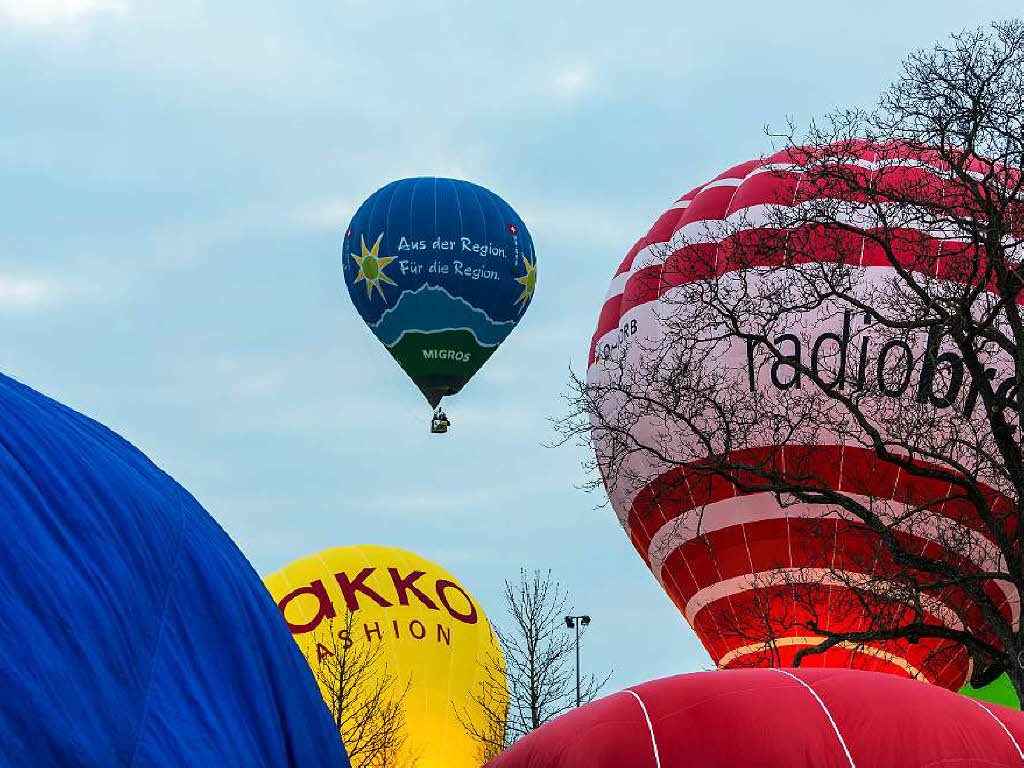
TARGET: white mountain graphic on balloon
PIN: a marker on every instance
(437, 310)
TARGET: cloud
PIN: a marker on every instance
(584, 222)
(571, 82)
(27, 293)
(450, 501)
(45, 13)
(332, 214)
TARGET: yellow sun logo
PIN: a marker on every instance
(528, 281)
(371, 267)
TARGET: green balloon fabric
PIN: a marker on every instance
(1000, 691)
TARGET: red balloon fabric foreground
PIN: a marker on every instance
(777, 718)
(711, 546)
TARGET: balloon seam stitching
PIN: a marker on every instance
(144, 714)
(828, 714)
(650, 727)
(1003, 726)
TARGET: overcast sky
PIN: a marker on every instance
(176, 177)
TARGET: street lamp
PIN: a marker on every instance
(574, 622)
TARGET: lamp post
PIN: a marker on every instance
(574, 622)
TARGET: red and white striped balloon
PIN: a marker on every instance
(714, 568)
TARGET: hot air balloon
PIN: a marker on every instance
(441, 271)
(437, 640)
(712, 546)
(776, 718)
(133, 630)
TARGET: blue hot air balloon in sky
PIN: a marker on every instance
(441, 270)
(133, 632)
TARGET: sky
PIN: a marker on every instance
(176, 177)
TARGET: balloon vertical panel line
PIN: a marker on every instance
(441, 271)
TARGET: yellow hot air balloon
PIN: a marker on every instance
(431, 634)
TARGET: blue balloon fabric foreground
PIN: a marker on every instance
(441, 270)
(133, 632)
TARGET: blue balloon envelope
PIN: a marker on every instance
(133, 632)
(441, 270)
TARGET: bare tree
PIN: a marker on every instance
(365, 698)
(920, 370)
(538, 680)
(485, 717)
